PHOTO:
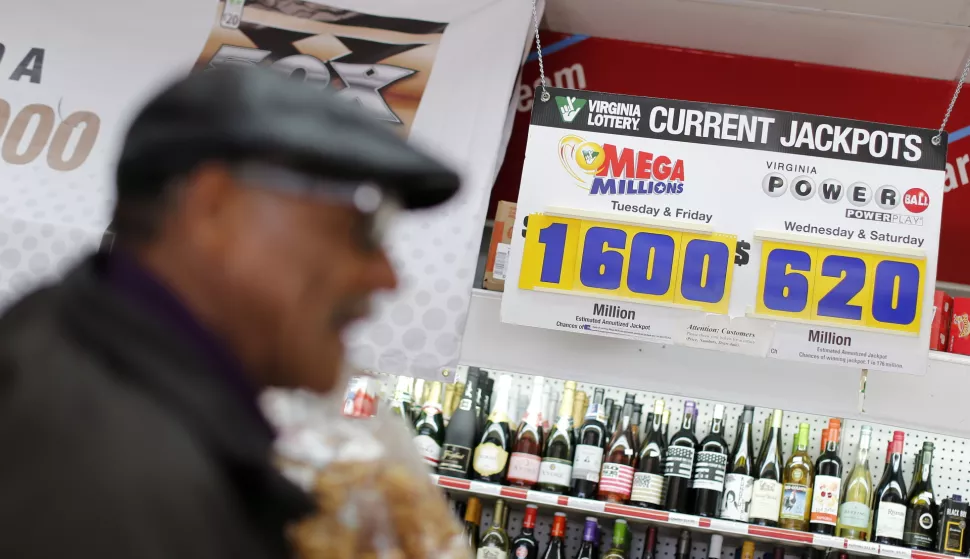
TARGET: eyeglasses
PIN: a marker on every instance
(373, 203)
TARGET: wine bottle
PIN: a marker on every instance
(739, 481)
(616, 478)
(828, 486)
(491, 459)
(556, 469)
(712, 458)
(889, 501)
(650, 543)
(796, 499)
(449, 403)
(420, 396)
(614, 419)
(430, 427)
(473, 518)
(547, 410)
(579, 412)
(683, 545)
(714, 548)
(525, 545)
(648, 481)
(766, 494)
(401, 403)
(747, 550)
(621, 537)
(460, 437)
(588, 457)
(526, 457)
(854, 512)
(557, 538)
(485, 385)
(665, 429)
(495, 542)
(919, 531)
(679, 465)
(635, 422)
(587, 549)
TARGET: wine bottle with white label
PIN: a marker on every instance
(709, 468)
(919, 531)
(889, 502)
(739, 480)
(854, 512)
(796, 498)
(430, 428)
(555, 471)
(491, 459)
(460, 437)
(648, 481)
(588, 457)
(828, 486)
(679, 466)
(766, 494)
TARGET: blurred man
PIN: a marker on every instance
(248, 228)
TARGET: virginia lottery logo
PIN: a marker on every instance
(611, 170)
(569, 107)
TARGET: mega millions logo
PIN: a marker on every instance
(608, 169)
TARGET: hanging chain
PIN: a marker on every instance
(963, 78)
(542, 70)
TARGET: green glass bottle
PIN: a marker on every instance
(621, 541)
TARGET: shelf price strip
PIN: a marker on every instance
(639, 263)
(858, 287)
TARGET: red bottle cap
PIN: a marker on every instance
(559, 525)
(531, 512)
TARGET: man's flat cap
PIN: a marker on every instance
(255, 114)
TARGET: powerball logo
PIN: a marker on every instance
(607, 169)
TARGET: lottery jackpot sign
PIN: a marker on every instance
(764, 232)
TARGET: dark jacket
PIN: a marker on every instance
(118, 441)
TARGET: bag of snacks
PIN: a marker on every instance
(375, 497)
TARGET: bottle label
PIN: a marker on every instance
(766, 499)
(555, 471)
(490, 459)
(953, 536)
(587, 462)
(825, 500)
(524, 467)
(736, 502)
(680, 462)
(919, 530)
(854, 515)
(429, 449)
(491, 553)
(709, 471)
(617, 478)
(647, 488)
(892, 519)
(522, 551)
(455, 458)
(793, 500)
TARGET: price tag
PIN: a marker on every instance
(628, 262)
(841, 287)
(232, 13)
(857, 546)
(684, 520)
(588, 505)
(894, 551)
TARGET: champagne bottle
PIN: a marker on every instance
(557, 538)
(483, 405)
(709, 469)
(648, 481)
(579, 411)
(491, 459)
(449, 403)
(680, 462)
(526, 456)
(766, 494)
(621, 540)
(854, 512)
(473, 518)
(739, 481)
(889, 501)
(420, 396)
(430, 427)
(556, 469)
(588, 457)
(828, 486)
(587, 549)
(460, 437)
(798, 476)
(919, 531)
(616, 478)
(495, 542)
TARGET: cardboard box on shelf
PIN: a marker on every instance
(942, 316)
(960, 327)
(499, 247)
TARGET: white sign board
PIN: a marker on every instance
(744, 230)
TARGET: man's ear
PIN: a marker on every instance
(205, 201)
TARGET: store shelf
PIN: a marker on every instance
(776, 536)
